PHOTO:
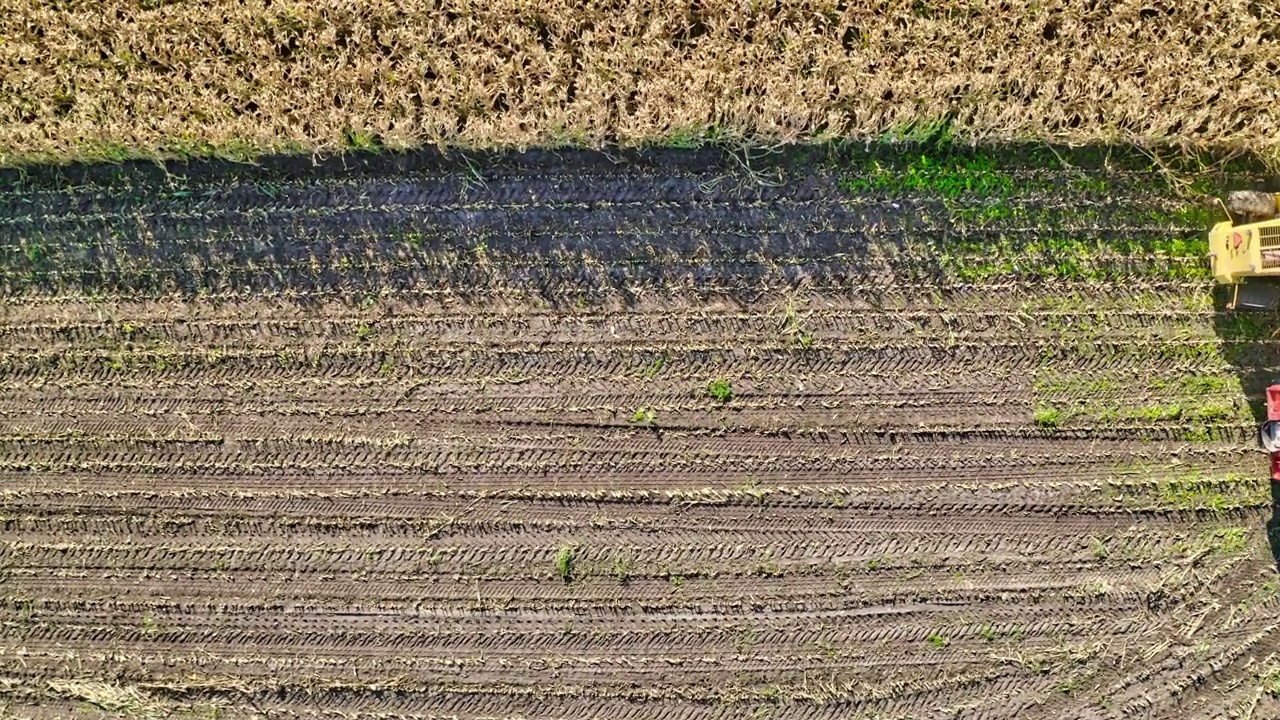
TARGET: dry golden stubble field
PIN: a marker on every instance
(109, 80)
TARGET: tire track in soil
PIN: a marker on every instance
(350, 497)
(492, 519)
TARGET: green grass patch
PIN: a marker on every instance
(1220, 541)
(1218, 412)
(644, 416)
(1192, 490)
(1194, 355)
(565, 563)
(1071, 259)
(1197, 418)
(720, 390)
(362, 141)
(1195, 493)
(1047, 417)
(938, 641)
(948, 174)
(1153, 413)
(1248, 326)
(983, 214)
(1081, 302)
(1199, 401)
(1201, 384)
(1269, 682)
(1198, 216)
(1090, 184)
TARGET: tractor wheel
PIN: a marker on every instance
(1269, 436)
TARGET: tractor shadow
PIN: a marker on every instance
(1250, 347)
(570, 227)
(1273, 525)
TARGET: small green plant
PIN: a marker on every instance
(827, 648)
(767, 569)
(271, 190)
(1197, 433)
(720, 390)
(1097, 588)
(149, 626)
(644, 416)
(363, 332)
(1100, 550)
(988, 633)
(1070, 685)
(1230, 540)
(1204, 384)
(564, 563)
(623, 565)
(655, 367)
(1091, 184)
(752, 488)
(1214, 412)
(1270, 682)
(1156, 413)
(360, 140)
(1108, 415)
(937, 640)
(1048, 417)
(745, 640)
(473, 178)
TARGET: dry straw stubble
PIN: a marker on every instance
(83, 79)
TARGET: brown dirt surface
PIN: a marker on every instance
(415, 439)
(84, 80)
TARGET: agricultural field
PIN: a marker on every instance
(112, 79)
(814, 433)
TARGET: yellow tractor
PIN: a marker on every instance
(1245, 253)
(1245, 249)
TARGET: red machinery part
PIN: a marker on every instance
(1273, 414)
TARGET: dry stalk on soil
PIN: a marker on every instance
(80, 79)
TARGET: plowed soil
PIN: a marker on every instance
(426, 438)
